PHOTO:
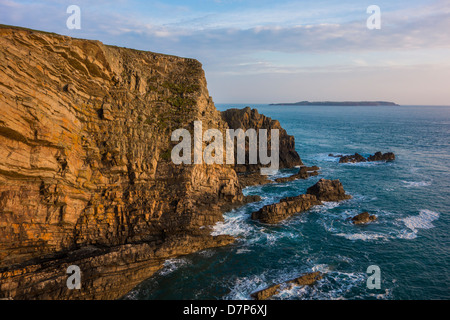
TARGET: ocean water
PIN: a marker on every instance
(411, 196)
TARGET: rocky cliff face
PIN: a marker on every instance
(85, 170)
(248, 118)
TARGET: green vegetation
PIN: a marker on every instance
(180, 102)
(181, 88)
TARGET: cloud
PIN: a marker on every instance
(235, 38)
(290, 27)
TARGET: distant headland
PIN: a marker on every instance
(337, 103)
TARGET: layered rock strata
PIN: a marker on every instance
(253, 179)
(323, 190)
(85, 165)
(248, 118)
(303, 173)
(277, 212)
(328, 190)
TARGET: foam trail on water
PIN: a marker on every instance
(416, 184)
(415, 223)
(363, 236)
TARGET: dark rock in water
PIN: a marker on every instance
(303, 173)
(328, 190)
(378, 156)
(364, 217)
(274, 213)
(323, 190)
(248, 118)
(352, 158)
(307, 279)
(253, 179)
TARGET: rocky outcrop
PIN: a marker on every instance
(276, 212)
(248, 118)
(328, 190)
(362, 218)
(323, 190)
(352, 158)
(85, 164)
(307, 279)
(253, 179)
(378, 156)
(303, 173)
(107, 273)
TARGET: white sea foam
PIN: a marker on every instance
(334, 286)
(362, 198)
(363, 236)
(233, 224)
(172, 264)
(325, 206)
(240, 225)
(367, 164)
(326, 157)
(282, 174)
(416, 184)
(415, 223)
(338, 224)
(244, 286)
(242, 250)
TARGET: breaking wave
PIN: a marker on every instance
(415, 223)
(416, 184)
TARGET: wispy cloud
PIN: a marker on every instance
(235, 38)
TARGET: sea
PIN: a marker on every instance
(409, 242)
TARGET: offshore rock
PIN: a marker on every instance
(323, 190)
(248, 118)
(378, 156)
(352, 158)
(303, 173)
(85, 163)
(364, 217)
(307, 279)
(274, 213)
(328, 190)
(253, 179)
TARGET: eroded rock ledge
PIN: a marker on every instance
(323, 190)
(363, 218)
(276, 212)
(303, 173)
(248, 118)
(328, 190)
(85, 165)
(378, 156)
(307, 279)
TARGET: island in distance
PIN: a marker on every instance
(337, 103)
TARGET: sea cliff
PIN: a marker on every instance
(86, 177)
(85, 170)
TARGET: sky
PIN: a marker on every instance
(259, 51)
